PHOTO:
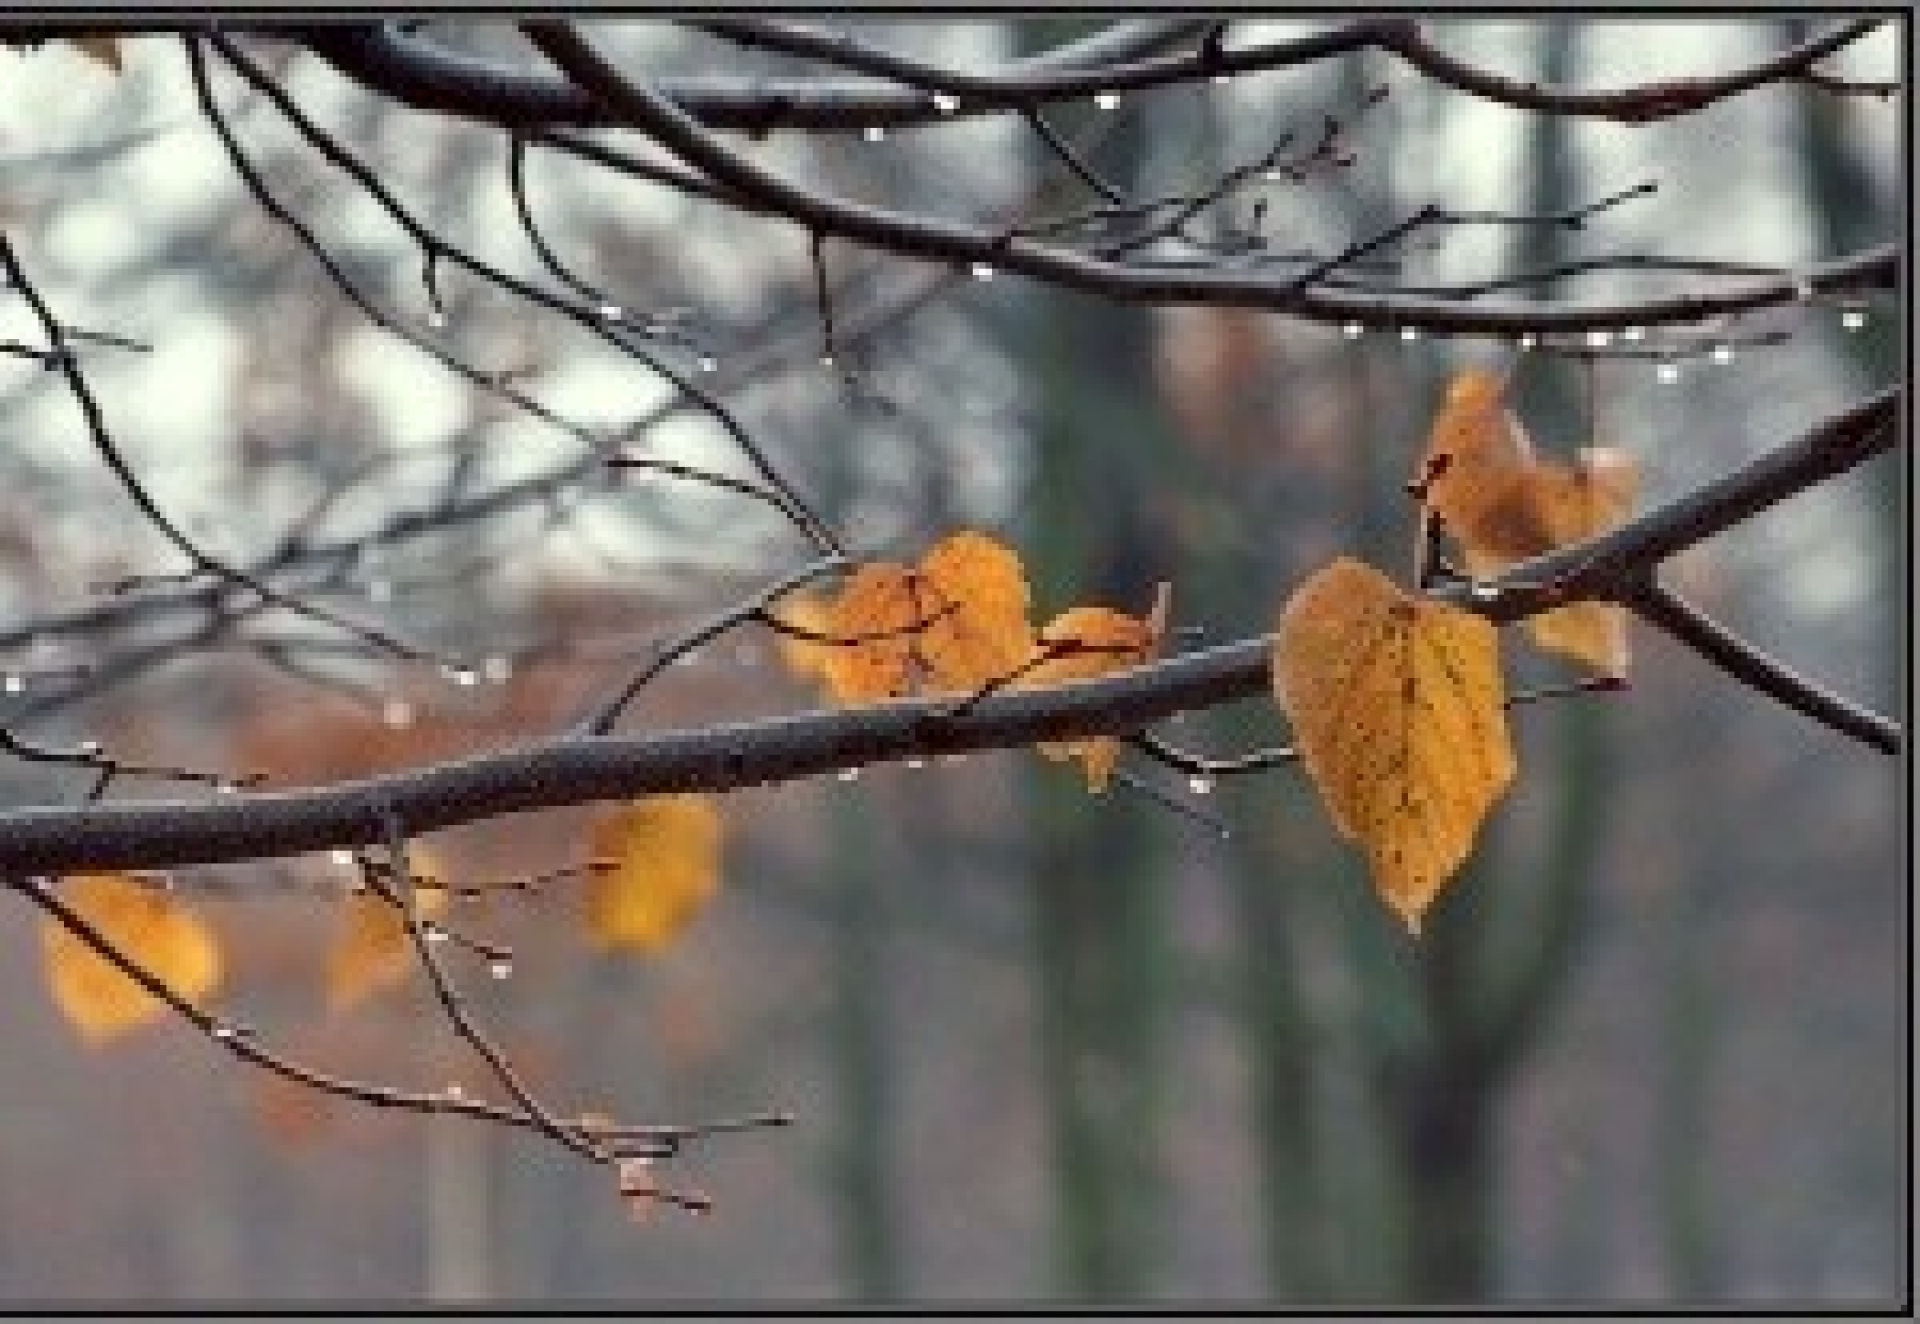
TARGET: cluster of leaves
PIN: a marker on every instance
(1397, 702)
(654, 865)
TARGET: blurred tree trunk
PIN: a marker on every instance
(1101, 931)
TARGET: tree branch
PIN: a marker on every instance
(157, 835)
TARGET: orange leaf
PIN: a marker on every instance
(372, 950)
(1474, 448)
(1397, 709)
(1568, 504)
(879, 607)
(806, 658)
(151, 928)
(1082, 643)
(666, 856)
(982, 635)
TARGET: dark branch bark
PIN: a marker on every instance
(960, 243)
(162, 835)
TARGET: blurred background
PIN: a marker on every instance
(1653, 1047)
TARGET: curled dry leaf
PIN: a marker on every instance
(372, 950)
(1082, 643)
(1397, 706)
(664, 853)
(1503, 505)
(151, 928)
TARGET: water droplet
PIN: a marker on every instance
(499, 670)
(379, 590)
(1723, 353)
(1409, 333)
(501, 967)
(1221, 80)
(1352, 330)
(455, 1092)
(610, 312)
(1633, 333)
(1599, 339)
(826, 360)
(945, 102)
(1804, 292)
(89, 748)
(437, 319)
(1668, 372)
(342, 857)
(981, 271)
(916, 763)
(1528, 340)
(708, 363)
(1200, 784)
(1107, 100)
(952, 760)
(1482, 592)
(874, 133)
(433, 933)
(223, 1032)
(397, 713)
(459, 675)
(849, 774)
(14, 684)
(1854, 319)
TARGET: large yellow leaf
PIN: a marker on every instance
(980, 592)
(1397, 706)
(664, 858)
(1082, 643)
(372, 949)
(151, 928)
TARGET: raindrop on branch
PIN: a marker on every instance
(1409, 333)
(849, 774)
(13, 684)
(501, 967)
(1599, 339)
(1854, 319)
(1352, 330)
(610, 312)
(945, 102)
(1633, 333)
(874, 133)
(982, 271)
(1107, 100)
(1667, 373)
(1723, 353)
(1200, 784)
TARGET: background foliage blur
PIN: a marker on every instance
(1654, 1046)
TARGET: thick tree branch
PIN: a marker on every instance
(719, 758)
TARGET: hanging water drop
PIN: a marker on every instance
(498, 670)
(1352, 330)
(874, 133)
(946, 102)
(981, 271)
(1633, 333)
(849, 774)
(223, 1032)
(341, 856)
(433, 933)
(1723, 353)
(13, 684)
(501, 967)
(397, 713)
(1409, 333)
(455, 1093)
(1599, 339)
(916, 763)
(610, 312)
(1107, 100)
(1668, 372)
(1528, 340)
(459, 675)
(437, 319)
(1854, 319)
(1200, 784)
(708, 363)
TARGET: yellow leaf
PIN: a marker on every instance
(878, 608)
(152, 929)
(1082, 643)
(1397, 706)
(980, 591)
(372, 950)
(665, 858)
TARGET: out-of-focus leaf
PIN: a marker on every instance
(661, 865)
(154, 930)
(1082, 643)
(373, 950)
